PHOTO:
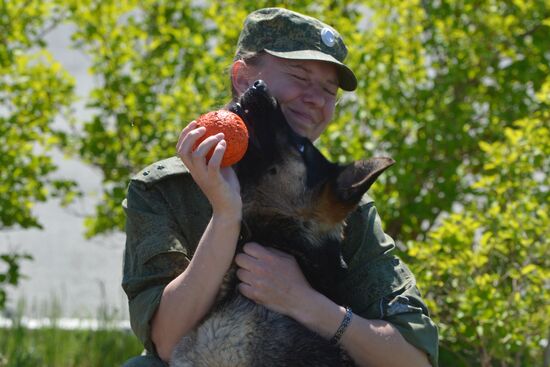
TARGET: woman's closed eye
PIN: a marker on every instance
(298, 77)
(330, 91)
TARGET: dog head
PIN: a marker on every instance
(283, 173)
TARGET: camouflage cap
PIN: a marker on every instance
(290, 35)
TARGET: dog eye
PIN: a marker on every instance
(272, 171)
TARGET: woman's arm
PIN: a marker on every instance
(368, 342)
(188, 297)
(274, 279)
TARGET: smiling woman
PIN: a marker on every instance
(184, 222)
(306, 89)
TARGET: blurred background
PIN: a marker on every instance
(81, 274)
(457, 92)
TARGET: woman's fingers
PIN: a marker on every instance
(206, 145)
(216, 159)
(248, 291)
(190, 126)
(188, 141)
(245, 261)
(220, 185)
(255, 249)
(250, 286)
(261, 252)
(245, 276)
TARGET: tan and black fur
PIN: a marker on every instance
(294, 200)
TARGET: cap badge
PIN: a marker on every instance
(328, 37)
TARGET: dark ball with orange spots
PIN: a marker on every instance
(234, 130)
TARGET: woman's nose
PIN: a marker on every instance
(313, 95)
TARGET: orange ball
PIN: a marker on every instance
(234, 130)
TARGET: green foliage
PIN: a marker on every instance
(436, 78)
(34, 90)
(56, 347)
(489, 287)
(59, 344)
(12, 274)
(456, 92)
(155, 75)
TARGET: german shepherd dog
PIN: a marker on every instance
(296, 201)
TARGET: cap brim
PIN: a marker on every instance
(346, 77)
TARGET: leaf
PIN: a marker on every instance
(528, 269)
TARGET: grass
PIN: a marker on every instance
(55, 346)
(21, 347)
(107, 345)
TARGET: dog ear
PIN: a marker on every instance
(340, 195)
(355, 179)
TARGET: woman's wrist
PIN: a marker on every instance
(343, 326)
(320, 314)
(229, 216)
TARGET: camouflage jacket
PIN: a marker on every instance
(167, 214)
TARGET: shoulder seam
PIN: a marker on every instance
(160, 171)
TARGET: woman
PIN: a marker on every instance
(184, 215)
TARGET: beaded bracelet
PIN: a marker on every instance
(345, 322)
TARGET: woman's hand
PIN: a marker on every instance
(220, 185)
(274, 279)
